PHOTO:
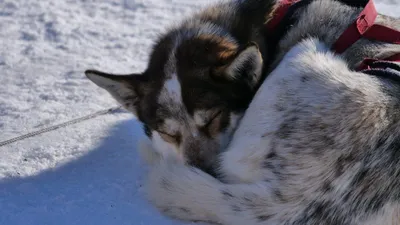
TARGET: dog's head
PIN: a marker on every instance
(197, 85)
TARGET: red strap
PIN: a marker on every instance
(366, 63)
(356, 30)
(381, 33)
(280, 13)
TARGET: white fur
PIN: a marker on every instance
(172, 126)
(173, 88)
(201, 117)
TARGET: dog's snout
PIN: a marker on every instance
(200, 152)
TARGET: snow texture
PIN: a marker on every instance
(87, 173)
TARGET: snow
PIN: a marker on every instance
(87, 173)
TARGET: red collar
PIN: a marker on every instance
(363, 27)
(280, 13)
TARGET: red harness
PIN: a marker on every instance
(363, 27)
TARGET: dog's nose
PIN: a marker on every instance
(201, 153)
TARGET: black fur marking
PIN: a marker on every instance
(236, 208)
(263, 218)
(328, 142)
(279, 107)
(304, 79)
(360, 176)
(279, 196)
(286, 128)
(166, 184)
(326, 187)
(248, 200)
(269, 159)
(147, 130)
(224, 121)
(344, 162)
(185, 210)
(268, 165)
(271, 155)
(227, 194)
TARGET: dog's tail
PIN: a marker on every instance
(189, 194)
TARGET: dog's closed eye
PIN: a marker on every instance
(213, 118)
(171, 138)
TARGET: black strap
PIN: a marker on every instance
(355, 3)
(384, 69)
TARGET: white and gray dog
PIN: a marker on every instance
(318, 143)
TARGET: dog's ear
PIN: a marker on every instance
(126, 89)
(247, 65)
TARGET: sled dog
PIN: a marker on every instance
(319, 144)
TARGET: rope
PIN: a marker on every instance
(58, 126)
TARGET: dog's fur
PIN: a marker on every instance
(319, 144)
(203, 73)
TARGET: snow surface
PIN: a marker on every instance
(87, 173)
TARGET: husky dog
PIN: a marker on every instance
(319, 144)
(203, 73)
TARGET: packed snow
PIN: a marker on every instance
(89, 172)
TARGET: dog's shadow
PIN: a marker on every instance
(102, 187)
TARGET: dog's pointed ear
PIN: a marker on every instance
(247, 65)
(126, 89)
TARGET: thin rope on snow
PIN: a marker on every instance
(55, 127)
